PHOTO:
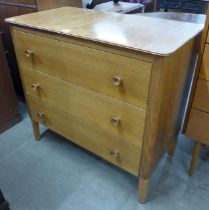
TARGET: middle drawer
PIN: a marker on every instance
(118, 76)
(201, 96)
(114, 116)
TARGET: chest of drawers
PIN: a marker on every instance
(197, 123)
(96, 79)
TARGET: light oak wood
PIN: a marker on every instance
(201, 97)
(204, 70)
(198, 126)
(143, 189)
(90, 44)
(207, 40)
(204, 35)
(195, 156)
(164, 102)
(128, 31)
(134, 129)
(87, 135)
(87, 105)
(200, 46)
(195, 125)
(98, 66)
(36, 129)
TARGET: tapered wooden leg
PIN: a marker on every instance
(143, 189)
(36, 130)
(172, 146)
(195, 156)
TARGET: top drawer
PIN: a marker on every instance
(121, 77)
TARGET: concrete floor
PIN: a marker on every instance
(54, 174)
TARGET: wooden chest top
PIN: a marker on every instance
(146, 34)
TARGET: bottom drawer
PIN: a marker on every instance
(116, 150)
(198, 126)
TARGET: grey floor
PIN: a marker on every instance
(54, 174)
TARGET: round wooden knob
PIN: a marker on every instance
(114, 153)
(115, 121)
(35, 86)
(40, 114)
(117, 81)
(28, 53)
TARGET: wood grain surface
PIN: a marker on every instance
(155, 54)
(166, 93)
(130, 31)
(82, 65)
(87, 105)
(86, 135)
(204, 69)
(201, 97)
(207, 40)
(198, 126)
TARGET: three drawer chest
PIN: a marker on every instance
(111, 83)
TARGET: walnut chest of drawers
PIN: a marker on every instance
(103, 81)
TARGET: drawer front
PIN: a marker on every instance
(207, 40)
(201, 97)
(114, 75)
(111, 115)
(111, 148)
(204, 70)
(198, 126)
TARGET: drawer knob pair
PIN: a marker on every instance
(115, 121)
(35, 86)
(117, 81)
(114, 153)
(28, 53)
